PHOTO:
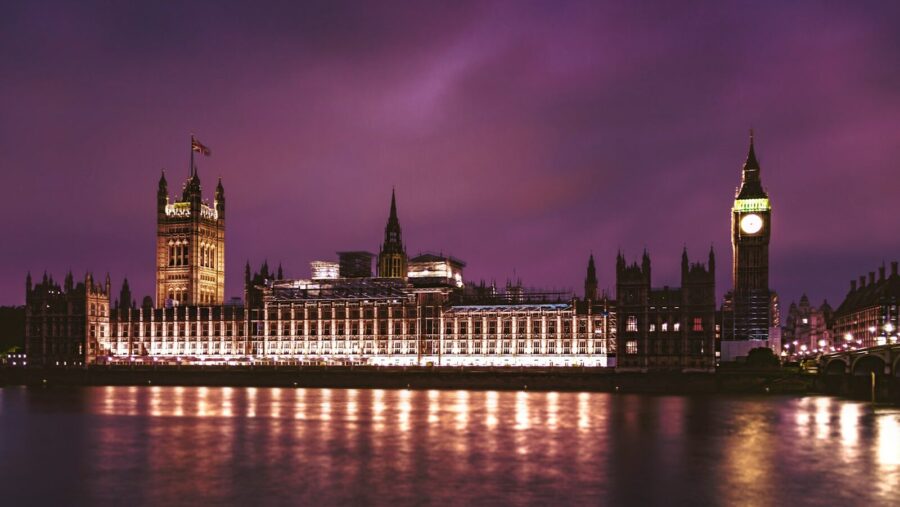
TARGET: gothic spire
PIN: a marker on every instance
(590, 282)
(393, 240)
(751, 186)
(751, 162)
(393, 215)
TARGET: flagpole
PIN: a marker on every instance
(192, 156)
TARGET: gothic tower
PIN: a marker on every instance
(392, 256)
(590, 282)
(750, 232)
(190, 245)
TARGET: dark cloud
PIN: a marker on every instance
(520, 136)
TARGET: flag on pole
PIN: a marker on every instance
(199, 147)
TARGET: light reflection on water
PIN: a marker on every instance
(165, 445)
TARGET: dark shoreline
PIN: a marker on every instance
(551, 379)
(500, 379)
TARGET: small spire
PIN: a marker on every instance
(393, 205)
(751, 162)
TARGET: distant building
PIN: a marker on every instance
(668, 328)
(325, 270)
(355, 264)
(749, 312)
(808, 328)
(430, 268)
(868, 315)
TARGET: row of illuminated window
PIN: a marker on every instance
(461, 327)
(366, 347)
(631, 325)
(205, 329)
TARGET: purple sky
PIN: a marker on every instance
(519, 136)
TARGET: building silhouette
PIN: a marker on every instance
(66, 325)
(666, 328)
(414, 311)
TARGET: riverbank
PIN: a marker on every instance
(552, 379)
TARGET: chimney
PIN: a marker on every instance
(871, 277)
(862, 282)
(881, 273)
(894, 268)
(852, 285)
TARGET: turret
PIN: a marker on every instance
(192, 193)
(125, 295)
(645, 264)
(107, 286)
(28, 284)
(590, 282)
(162, 194)
(220, 199)
(69, 284)
(684, 263)
(712, 260)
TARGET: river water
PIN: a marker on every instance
(259, 446)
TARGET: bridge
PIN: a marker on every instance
(853, 372)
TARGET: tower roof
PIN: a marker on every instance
(393, 242)
(591, 269)
(751, 185)
(393, 215)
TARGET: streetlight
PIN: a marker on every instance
(848, 337)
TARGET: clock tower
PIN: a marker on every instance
(751, 228)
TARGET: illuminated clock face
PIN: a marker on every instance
(752, 223)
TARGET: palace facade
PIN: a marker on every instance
(416, 310)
